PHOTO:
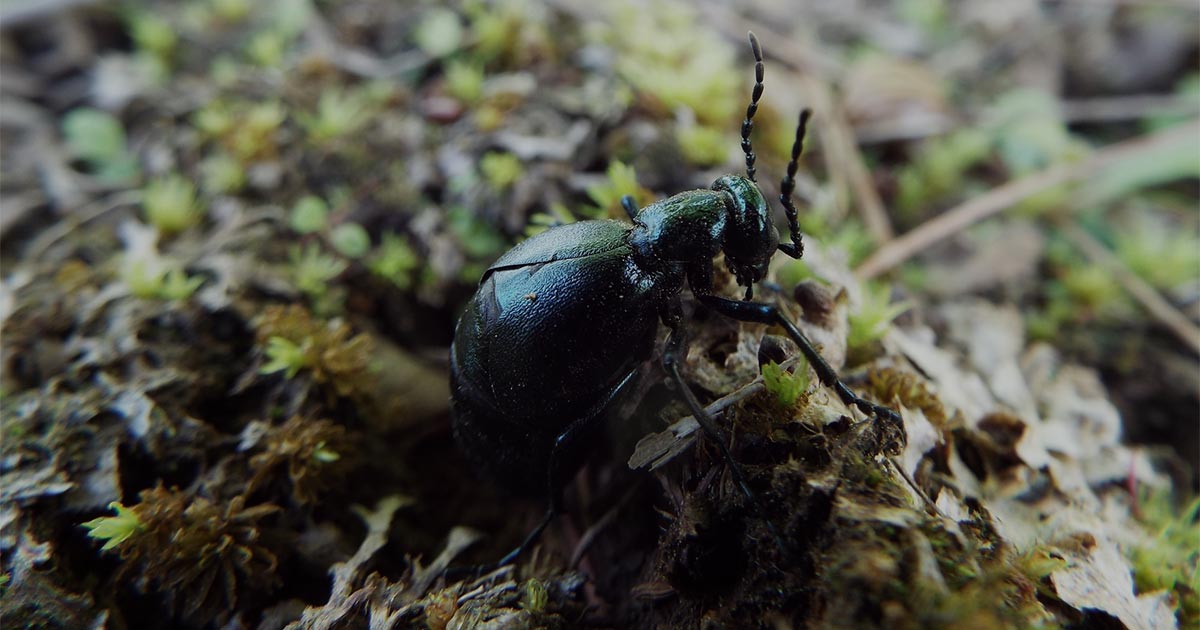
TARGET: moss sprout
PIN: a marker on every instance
(464, 81)
(869, 324)
(350, 240)
(340, 114)
(98, 138)
(149, 281)
(222, 174)
(621, 181)
(197, 553)
(658, 55)
(231, 11)
(703, 146)
(153, 34)
(535, 597)
(170, 204)
(114, 530)
(296, 341)
(542, 221)
(1170, 561)
(509, 32)
(267, 47)
(285, 355)
(394, 260)
(787, 387)
(247, 130)
(310, 214)
(312, 269)
(314, 453)
(501, 170)
(439, 33)
(1164, 257)
(940, 168)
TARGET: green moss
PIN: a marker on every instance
(221, 174)
(501, 170)
(872, 319)
(439, 33)
(285, 355)
(509, 33)
(313, 269)
(1164, 257)
(787, 387)
(98, 138)
(340, 114)
(149, 281)
(621, 181)
(535, 597)
(114, 530)
(310, 214)
(246, 129)
(294, 341)
(231, 11)
(464, 81)
(703, 146)
(394, 260)
(153, 34)
(350, 240)
(478, 239)
(1171, 559)
(266, 48)
(940, 168)
(658, 55)
(170, 204)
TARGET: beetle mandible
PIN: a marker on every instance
(531, 379)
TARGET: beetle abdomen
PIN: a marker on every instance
(541, 342)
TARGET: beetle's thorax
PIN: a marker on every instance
(688, 227)
(692, 227)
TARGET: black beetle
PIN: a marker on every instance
(561, 324)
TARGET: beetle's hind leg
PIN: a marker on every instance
(561, 465)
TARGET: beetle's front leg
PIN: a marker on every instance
(769, 314)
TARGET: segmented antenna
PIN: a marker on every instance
(748, 123)
(788, 186)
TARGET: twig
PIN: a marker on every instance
(1146, 295)
(78, 218)
(1118, 108)
(999, 199)
(847, 159)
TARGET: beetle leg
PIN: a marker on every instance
(673, 356)
(577, 430)
(768, 314)
(630, 206)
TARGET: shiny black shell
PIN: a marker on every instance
(558, 326)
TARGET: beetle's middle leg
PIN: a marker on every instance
(673, 357)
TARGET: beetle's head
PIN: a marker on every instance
(750, 237)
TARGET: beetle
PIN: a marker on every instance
(532, 377)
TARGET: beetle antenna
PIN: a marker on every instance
(795, 249)
(752, 108)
